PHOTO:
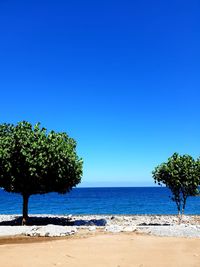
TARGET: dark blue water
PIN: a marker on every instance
(130, 200)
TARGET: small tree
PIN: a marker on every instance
(33, 161)
(181, 174)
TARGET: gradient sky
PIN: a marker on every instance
(121, 77)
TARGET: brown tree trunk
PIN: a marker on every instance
(25, 209)
(184, 203)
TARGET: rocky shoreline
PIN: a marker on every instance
(57, 225)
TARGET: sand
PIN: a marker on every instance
(100, 249)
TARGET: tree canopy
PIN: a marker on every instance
(181, 174)
(34, 161)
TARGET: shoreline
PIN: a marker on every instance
(48, 225)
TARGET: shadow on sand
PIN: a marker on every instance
(63, 221)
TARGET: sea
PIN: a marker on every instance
(110, 200)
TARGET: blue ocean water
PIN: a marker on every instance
(124, 200)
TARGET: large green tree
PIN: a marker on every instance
(34, 161)
(181, 174)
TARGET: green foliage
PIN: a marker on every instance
(181, 174)
(33, 161)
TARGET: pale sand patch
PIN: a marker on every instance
(105, 250)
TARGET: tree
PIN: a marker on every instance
(181, 174)
(33, 161)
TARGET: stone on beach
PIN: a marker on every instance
(58, 225)
(118, 229)
(47, 230)
(51, 231)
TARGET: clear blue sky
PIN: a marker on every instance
(121, 77)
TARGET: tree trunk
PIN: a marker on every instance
(184, 203)
(179, 216)
(25, 209)
(183, 211)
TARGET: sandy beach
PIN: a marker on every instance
(100, 249)
(98, 240)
